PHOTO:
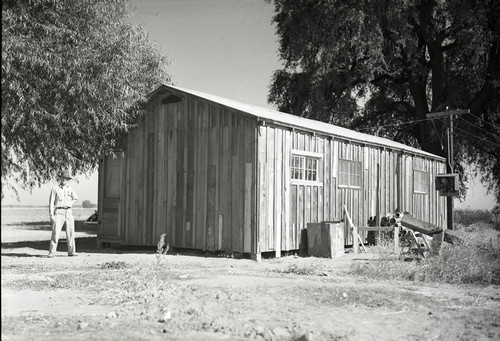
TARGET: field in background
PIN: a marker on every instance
(20, 215)
(469, 217)
(33, 224)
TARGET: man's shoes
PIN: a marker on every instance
(50, 255)
(72, 255)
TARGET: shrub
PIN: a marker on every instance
(88, 204)
(475, 261)
(469, 217)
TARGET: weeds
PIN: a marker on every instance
(299, 270)
(135, 285)
(475, 261)
(154, 288)
(146, 285)
(161, 250)
(391, 264)
(114, 265)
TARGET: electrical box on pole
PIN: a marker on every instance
(448, 184)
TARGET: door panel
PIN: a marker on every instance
(111, 198)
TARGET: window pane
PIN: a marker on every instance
(304, 167)
(350, 173)
(357, 174)
(345, 167)
(343, 173)
(343, 180)
(358, 180)
(421, 182)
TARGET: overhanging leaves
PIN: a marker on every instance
(74, 77)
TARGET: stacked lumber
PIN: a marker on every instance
(389, 222)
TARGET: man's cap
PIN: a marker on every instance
(65, 174)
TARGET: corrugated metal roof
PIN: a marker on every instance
(302, 123)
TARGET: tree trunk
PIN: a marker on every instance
(429, 139)
(427, 131)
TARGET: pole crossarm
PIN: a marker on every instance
(449, 155)
(447, 113)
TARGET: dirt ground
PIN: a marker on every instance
(136, 294)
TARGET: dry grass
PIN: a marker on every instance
(475, 261)
(117, 282)
(304, 270)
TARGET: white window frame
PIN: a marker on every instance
(305, 156)
(348, 174)
(419, 186)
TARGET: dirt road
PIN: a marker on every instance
(126, 294)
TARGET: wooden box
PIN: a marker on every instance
(325, 239)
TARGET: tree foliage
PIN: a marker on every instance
(403, 59)
(74, 76)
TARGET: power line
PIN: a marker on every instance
(437, 133)
(491, 124)
(432, 119)
(472, 135)
(395, 124)
(477, 127)
(477, 137)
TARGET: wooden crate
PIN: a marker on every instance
(325, 239)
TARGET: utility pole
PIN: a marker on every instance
(449, 158)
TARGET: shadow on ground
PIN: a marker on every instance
(89, 245)
(83, 245)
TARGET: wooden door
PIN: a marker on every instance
(109, 203)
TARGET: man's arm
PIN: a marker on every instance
(52, 199)
(74, 196)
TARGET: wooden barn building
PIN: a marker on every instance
(215, 174)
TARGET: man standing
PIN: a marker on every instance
(61, 200)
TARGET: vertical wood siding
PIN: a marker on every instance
(285, 208)
(352, 198)
(190, 173)
(110, 205)
(212, 178)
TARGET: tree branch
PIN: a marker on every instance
(490, 86)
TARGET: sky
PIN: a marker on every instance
(226, 48)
